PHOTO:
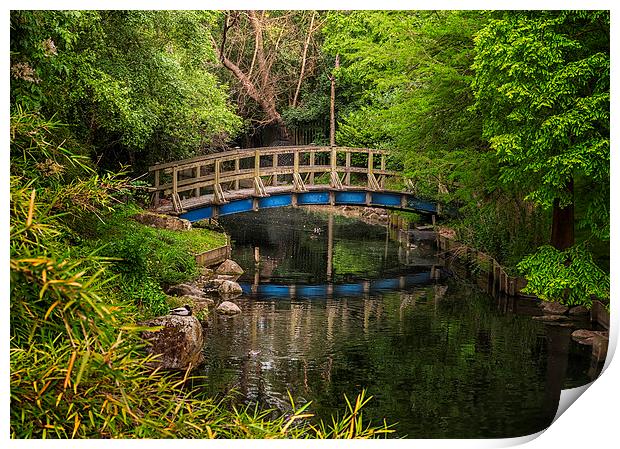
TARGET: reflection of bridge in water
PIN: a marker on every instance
(315, 255)
(250, 179)
(328, 290)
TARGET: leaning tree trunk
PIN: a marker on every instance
(563, 224)
(263, 93)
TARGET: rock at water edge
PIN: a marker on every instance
(228, 308)
(555, 308)
(229, 288)
(229, 267)
(179, 342)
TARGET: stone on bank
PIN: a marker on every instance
(228, 308)
(179, 342)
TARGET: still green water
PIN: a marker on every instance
(336, 306)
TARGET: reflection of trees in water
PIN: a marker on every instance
(294, 245)
(440, 361)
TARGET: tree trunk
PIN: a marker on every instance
(263, 94)
(563, 224)
(303, 61)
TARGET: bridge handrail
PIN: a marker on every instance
(196, 180)
(264, 151)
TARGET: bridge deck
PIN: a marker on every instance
(233, 195)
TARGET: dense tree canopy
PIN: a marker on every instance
(138, 86)
(542, 86)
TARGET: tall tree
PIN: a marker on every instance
(542, 86)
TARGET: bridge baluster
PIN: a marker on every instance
(312, 154)
(347, 176)
(334, 178)
(237, 173)
(156, 185)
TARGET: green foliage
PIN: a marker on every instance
(135, 84)
(148, 258)
(406, 78)
(542, 85)
(570, 277)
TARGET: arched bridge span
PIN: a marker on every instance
(250, 179)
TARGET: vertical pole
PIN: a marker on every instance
(156, 196)
(197, 189)
(275, 167)
(312, 165)
(347, 176)
(382, 169)
(333, 159)
(370, 176)
(217, 172)
(296, 162)
(237, 173)
(332, 109)
(256, 163)
(174, 181)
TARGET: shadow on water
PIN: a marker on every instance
(334, 305)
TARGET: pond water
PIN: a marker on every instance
(336, 306)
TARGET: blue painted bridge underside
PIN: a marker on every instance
(359, 289)
(386, 200)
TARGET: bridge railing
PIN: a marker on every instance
(205, 175)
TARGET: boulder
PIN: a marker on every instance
(588, 337)
(229, 267)
(163, 221)
(185, 290)
(229, 288)
(228, 308)
(578, 311)
(179, 343)
(554, 308)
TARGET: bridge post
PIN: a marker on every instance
(298, 183)
(259, 187)
(275, 167)
(197, 175)
(347, 176)
(156, 194)
(335, 179)
(256, 164)
(176, 200)
(237, 173)
(382, 182)
(372, 181)
(312, 154)
(218, 193)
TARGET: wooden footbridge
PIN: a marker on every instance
(250, 179)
